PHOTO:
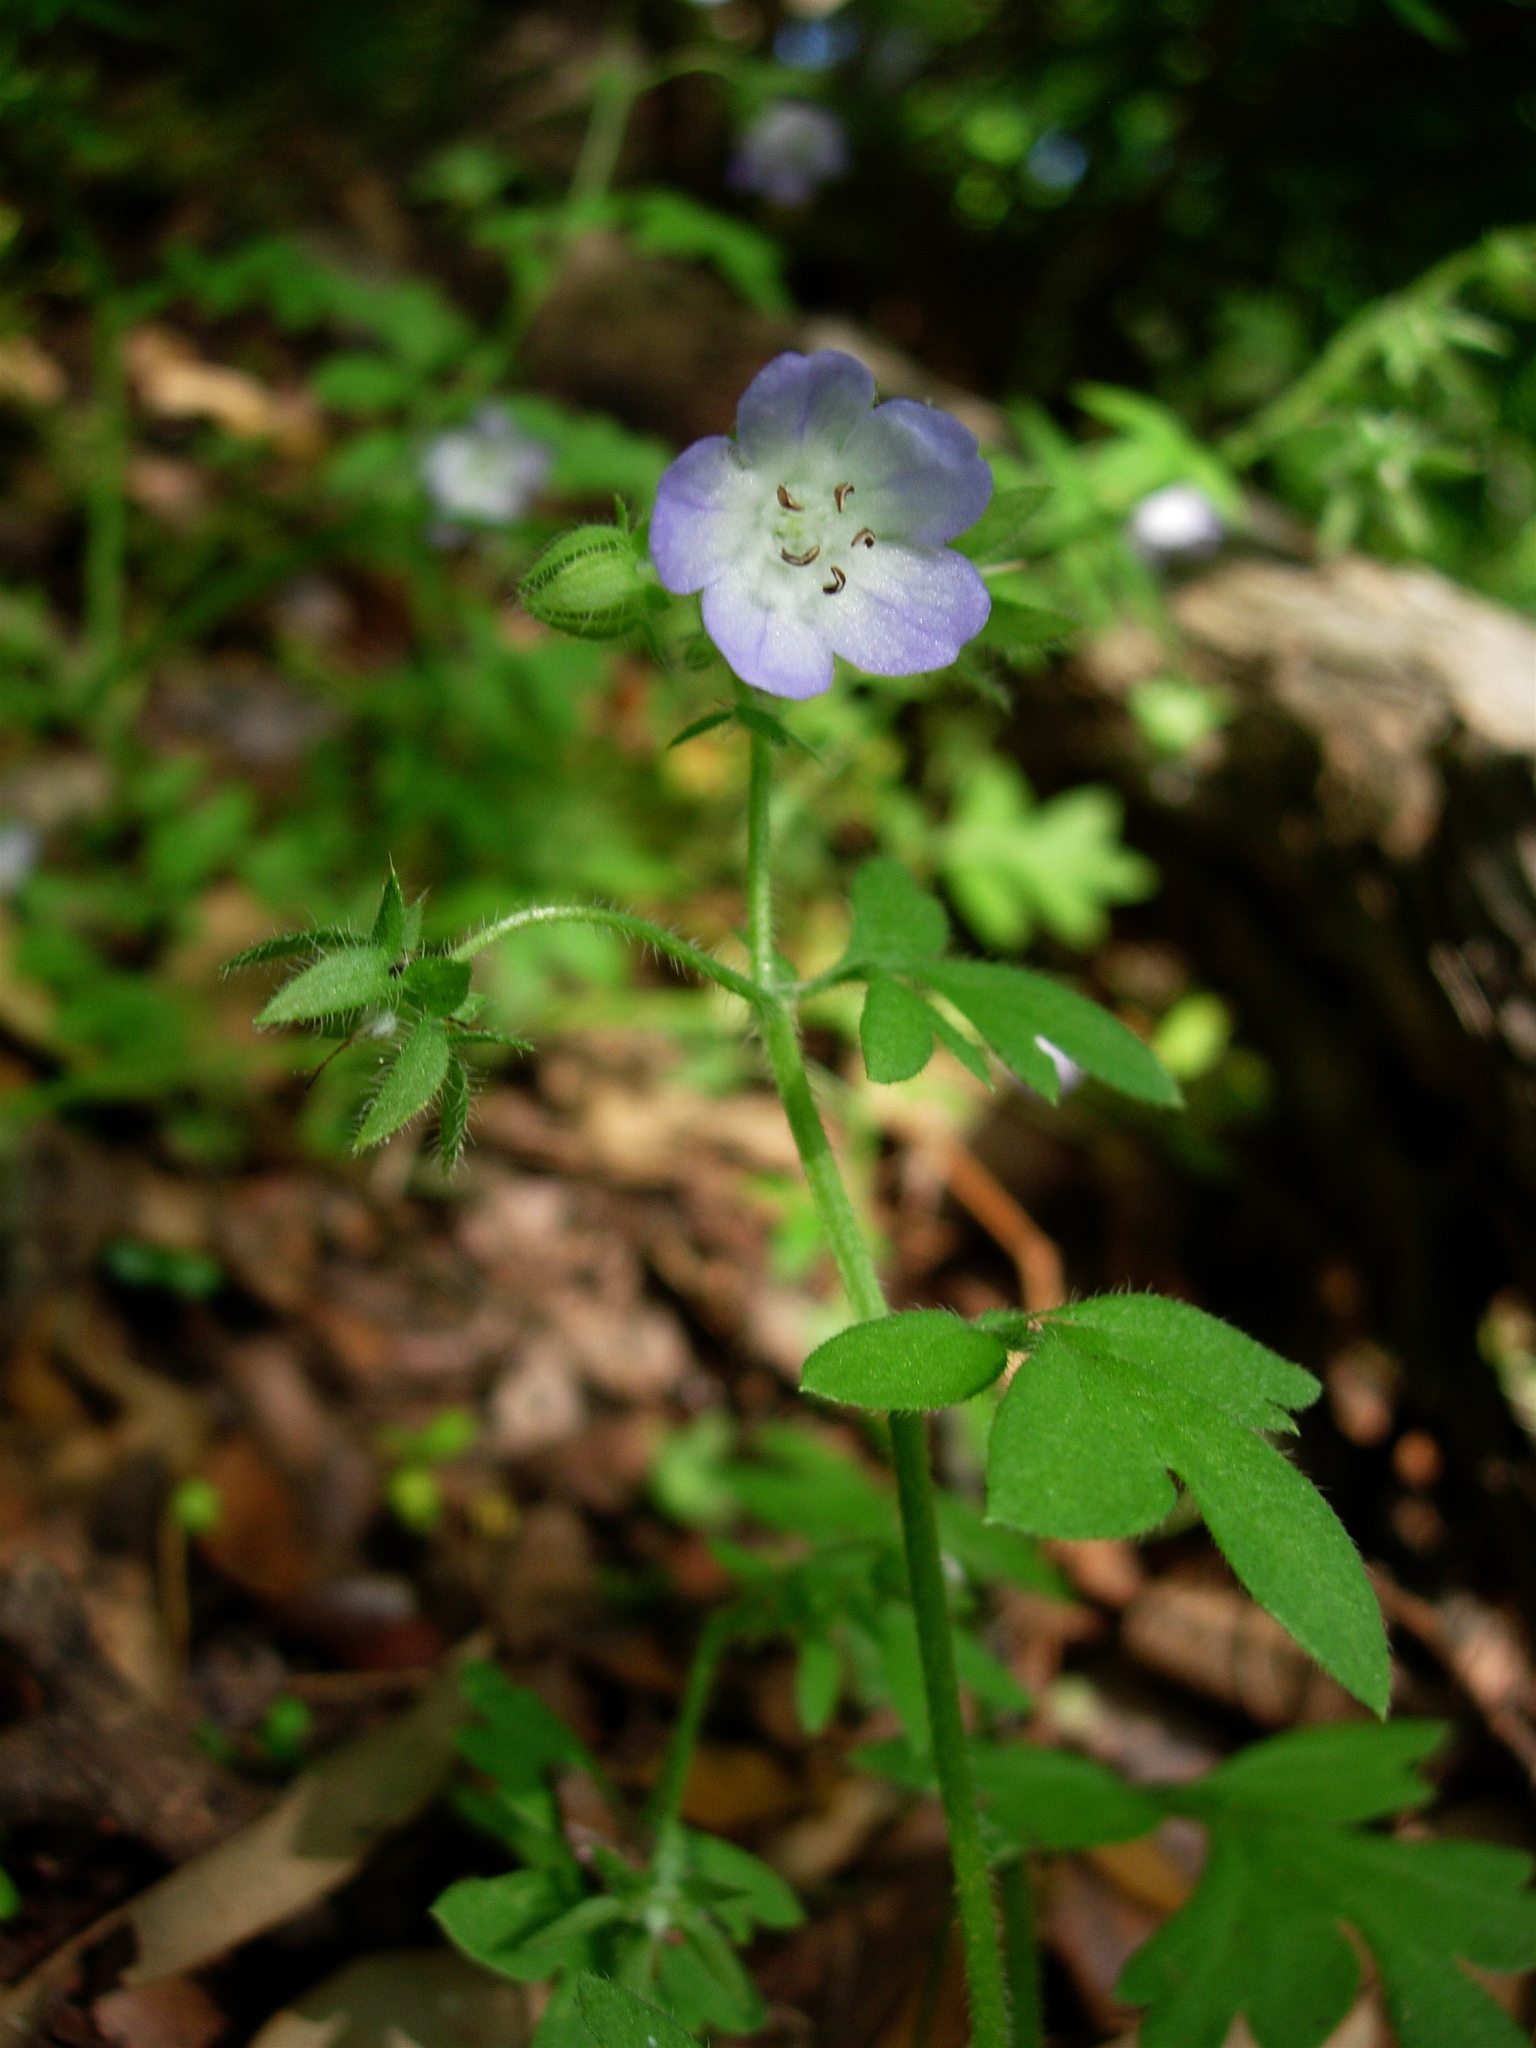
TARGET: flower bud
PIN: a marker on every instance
(593, 581)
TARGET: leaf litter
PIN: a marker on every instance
(601, 1285)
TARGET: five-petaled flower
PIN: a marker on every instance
(820, 529)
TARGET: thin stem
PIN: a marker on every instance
(106, 510)
(951, 1756)
(666, 1802)
(619, 83)
(612, 920)
(909, 1442)
(933, 1980)
(759, 863)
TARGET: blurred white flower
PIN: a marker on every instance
(1058, 161)
(489, 470)
(1177, 520)
(790, 150)
(19, 848)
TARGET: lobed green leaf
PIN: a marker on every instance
(1119, 1393)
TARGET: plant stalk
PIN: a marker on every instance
(1015, 1891)
(106, 511)
(619, 83)
(666, 1802)
(990, 2020)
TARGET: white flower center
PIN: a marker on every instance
(817, 530)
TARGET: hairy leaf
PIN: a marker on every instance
(453, 1125)
(818, 1681)
(410, 1084)
(354, 978)
(739, 1888)
(616, 2018)
(1121, 1391)
(924, 1358)
(894, 921)
(895, 1031)
(1003, 530)
(438, 986)
(490, 1918)
(389, 925)
(1263, 1935)
(1014, 1010)
(285, 945)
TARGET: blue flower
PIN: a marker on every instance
(820, 529)
(789, 150)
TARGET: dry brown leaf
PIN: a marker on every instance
(258, 1540)
(176, 2012)
(1217, 1641)
(29, 373)
(820, 1844)
(734, 1785)
(427, 1998)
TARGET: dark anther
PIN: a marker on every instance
(866, 535)
(791, 504)
(842, 492)
(838, 580)
(799, 561)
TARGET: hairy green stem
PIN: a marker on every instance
(666, 1803)
(625, 921)
(990, 2026)
(1015, 1893)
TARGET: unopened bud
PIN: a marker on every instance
(594, 582)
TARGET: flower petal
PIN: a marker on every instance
(768, 645)
(917, 473)
(798, 400)
(697, 527)
(909, 610)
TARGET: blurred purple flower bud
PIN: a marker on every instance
(489, 470)
(1177, 520)
(790, 150)
(820, 529)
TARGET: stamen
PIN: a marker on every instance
(838, 580)
(866, 535)
(799, 561)
(842, 492)
(792, 504)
